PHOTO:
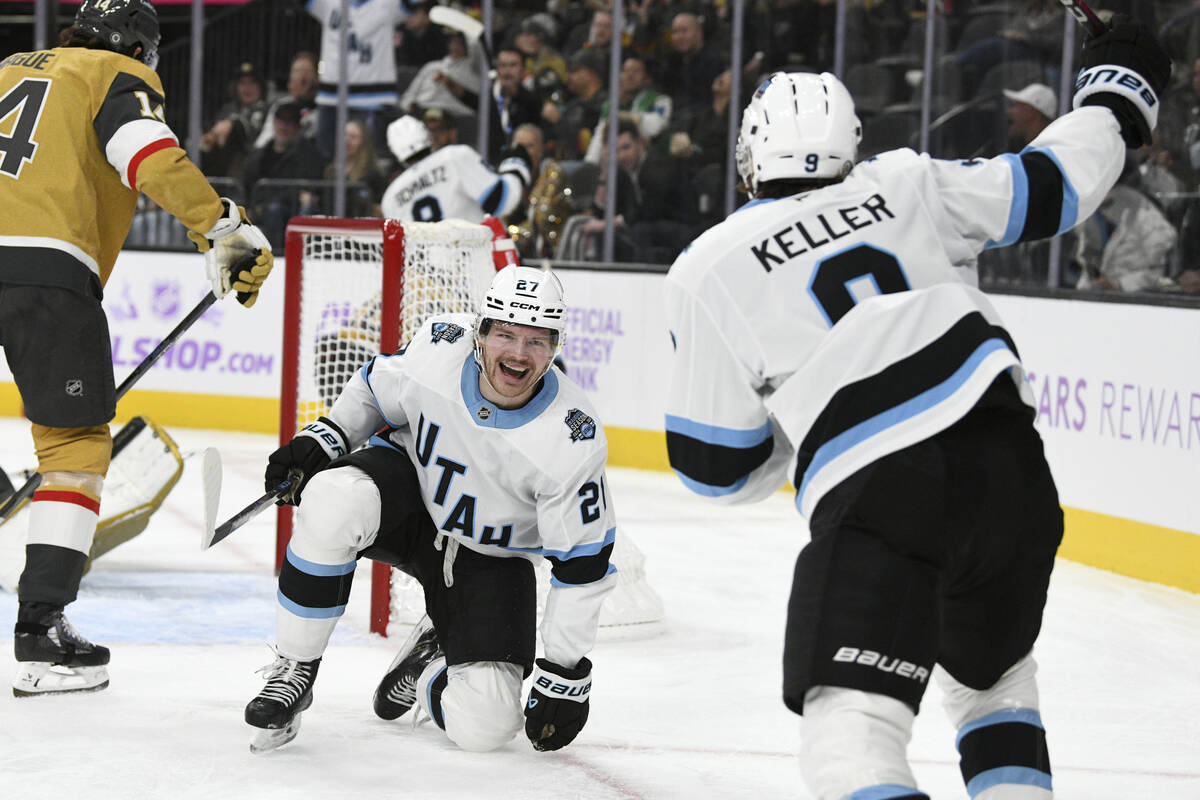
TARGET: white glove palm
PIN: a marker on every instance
(237, 255)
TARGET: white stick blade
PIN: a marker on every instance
(449, 17)
(210, 476)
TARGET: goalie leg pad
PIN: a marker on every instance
(481, 704)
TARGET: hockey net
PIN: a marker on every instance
(359, 287)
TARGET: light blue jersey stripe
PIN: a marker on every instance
(1023, 776)
(715, 434)
(884, 791)
(320, 570)
(1020, 202)
(705, 490)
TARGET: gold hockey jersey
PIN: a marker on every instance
(82, 131)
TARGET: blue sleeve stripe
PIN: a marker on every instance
(706, 490)
(612, 570)
(1019, 776)
(484, 198)
(1070, 198)
(579, 550)
(320, 570)
(309, 613)
(714, 434)
(1020, 202)
(1029, 716)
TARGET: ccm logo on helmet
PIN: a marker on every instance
(1115, 75)
(525, 306)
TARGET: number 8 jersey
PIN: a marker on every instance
(82, 131)
(816, 333)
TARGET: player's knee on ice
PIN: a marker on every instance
(338, 516)
(481, 704)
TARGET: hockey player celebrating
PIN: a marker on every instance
(87, 134)
(452, 182)
(830, 332)
(490, 459)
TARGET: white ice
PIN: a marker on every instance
(692, 713)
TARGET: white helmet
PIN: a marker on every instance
(408, 136)
(797, 125)
(523, 296)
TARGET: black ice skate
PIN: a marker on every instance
(277, 708)
(397, 692)
(53, 658)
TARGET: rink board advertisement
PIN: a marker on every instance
(1117, 387)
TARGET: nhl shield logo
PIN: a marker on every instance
(75, 387)
(582, 426)
(484, 412)
(447, 332)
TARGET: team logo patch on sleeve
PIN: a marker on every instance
(446, 331)
(582, 426)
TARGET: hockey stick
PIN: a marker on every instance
(472, 30)
(35, 480)
(239, 519)
(210, 480)
(1083, 13)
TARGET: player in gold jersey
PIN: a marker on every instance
(82, 132)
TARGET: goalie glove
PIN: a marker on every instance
(309, 452)
(517, 161)
(237, 255)
(558, 703)
(1126, 71)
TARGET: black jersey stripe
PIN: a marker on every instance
(1007, 744)
(582, 569)
(1043, 214)
(904, 380)
(714, 469)
(121, 105)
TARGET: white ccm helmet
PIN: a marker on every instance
(523, 296)
(797, 125)
(408, 136)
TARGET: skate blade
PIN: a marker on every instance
(267, 739)
(36, 678)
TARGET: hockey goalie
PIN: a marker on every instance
(146, 465)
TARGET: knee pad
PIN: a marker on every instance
(481, 704)
(338, 516)
(73, 449)
(1001, 740)
(852, 740)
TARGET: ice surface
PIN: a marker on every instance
(694, 713)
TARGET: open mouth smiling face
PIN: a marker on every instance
(515, 357)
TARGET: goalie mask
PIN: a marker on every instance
(797, 126)
(523, 296)
(122, 25)
(407, 138)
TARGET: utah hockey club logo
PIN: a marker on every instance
(75, 387)
(582, 426)
(446, 331)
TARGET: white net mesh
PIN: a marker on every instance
(446, 268)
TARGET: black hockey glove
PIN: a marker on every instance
(558, 703)
(516, 159)
(309, 452)
(1125, 70)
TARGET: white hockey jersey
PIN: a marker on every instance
(371, 62)
(451, 183)
(817, 333)
(525, 483)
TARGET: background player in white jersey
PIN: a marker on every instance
(830, 331)
(452, 182)
(85, 135)
(489, 460)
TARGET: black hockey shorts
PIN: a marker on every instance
(940, 552)
(57, 345)
(490, 611)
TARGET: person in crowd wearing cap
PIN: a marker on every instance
(572, 123)
(1029, 112)
(301, 91)
(224, 146)
(287, 156)
(545, 67)
(450, 83)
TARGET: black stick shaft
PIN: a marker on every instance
(1086, 17)
(249, 512)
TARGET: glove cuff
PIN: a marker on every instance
(1120, 81)
(231, 219)
(554, 680)
(328, 435)
(516, 166)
